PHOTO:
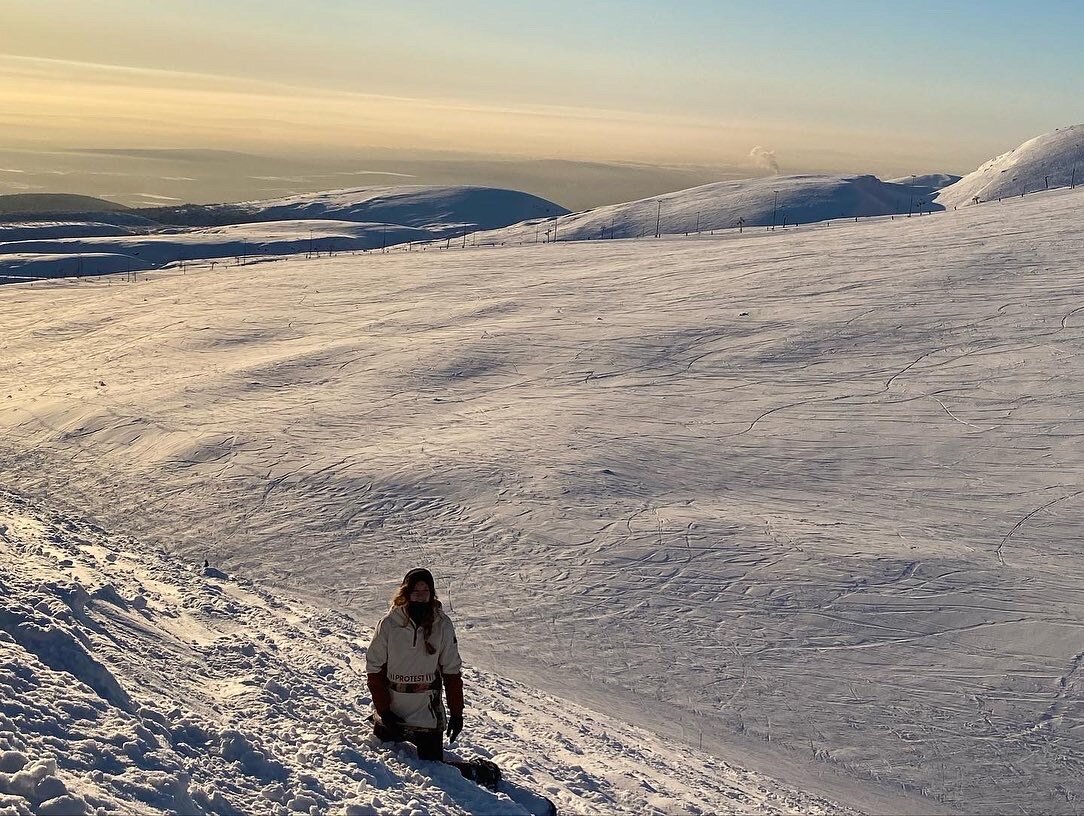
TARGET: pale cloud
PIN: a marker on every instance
(60, 104)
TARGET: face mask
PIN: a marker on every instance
(417, 611)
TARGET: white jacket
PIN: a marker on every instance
(398, 651)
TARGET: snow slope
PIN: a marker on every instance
(722, 205)
(812, 499)
(1052, 160)
(133, 682)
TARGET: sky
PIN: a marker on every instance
(842, 86)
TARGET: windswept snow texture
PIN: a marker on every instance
(1052, 160)
(814, 497)
(441, 210)
(134, 682)
(778, 200)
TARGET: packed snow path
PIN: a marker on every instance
(133, 682)
(811, 492)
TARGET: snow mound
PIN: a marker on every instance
(131, 681)
(723, 205)
(1052, 160)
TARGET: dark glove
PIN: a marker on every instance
(455, 725)
(389, 725)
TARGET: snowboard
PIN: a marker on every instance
(488, 774)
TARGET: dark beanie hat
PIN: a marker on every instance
(419, 574)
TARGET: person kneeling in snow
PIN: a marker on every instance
(413, 655)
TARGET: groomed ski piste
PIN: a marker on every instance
(806, 500)
(134, 682)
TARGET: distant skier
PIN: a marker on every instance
(413, 655)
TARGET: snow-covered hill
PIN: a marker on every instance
(1052, 160)
(134, 682)
(725, 205)
(440, 210)
(376, 217)
(334, 221)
